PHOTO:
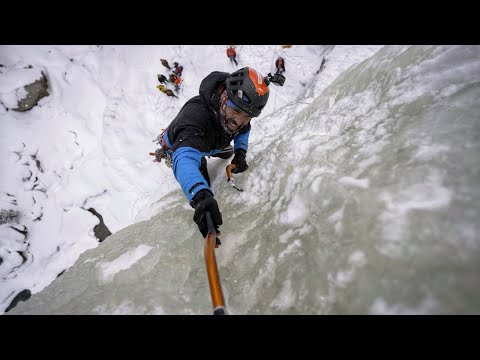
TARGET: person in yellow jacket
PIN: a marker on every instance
(166, 91)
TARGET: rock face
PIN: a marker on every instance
(9, 216)
(35, 92)
(101, 230)
(21, 296)
(22, 88)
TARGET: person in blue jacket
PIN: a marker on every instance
(205, 126)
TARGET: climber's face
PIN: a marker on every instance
(236, 118)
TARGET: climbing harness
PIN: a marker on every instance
(164, 152)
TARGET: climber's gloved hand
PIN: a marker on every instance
(240, 161)
(203, 202)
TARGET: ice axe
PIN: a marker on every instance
(212, 270)
(230, 177)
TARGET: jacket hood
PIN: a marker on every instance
(209, 86)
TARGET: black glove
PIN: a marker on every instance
(239, 160)
(203, 202)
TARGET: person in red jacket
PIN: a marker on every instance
(176, 80)
(232, 54)
(177, 69)
(280, 65)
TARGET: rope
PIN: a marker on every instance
(273, 61)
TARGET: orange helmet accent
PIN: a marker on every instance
(247, 89)
(257, 79)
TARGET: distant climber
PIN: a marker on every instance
(169, 92)
(176, 80)
(280, 65)
(166, 91)
(162, 79)
(177, 69)
(165, 63)
(232, 54)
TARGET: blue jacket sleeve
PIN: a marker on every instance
(241, 141)
(186, 169)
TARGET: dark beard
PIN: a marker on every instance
(223, 123)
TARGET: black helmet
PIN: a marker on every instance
(247, 89)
